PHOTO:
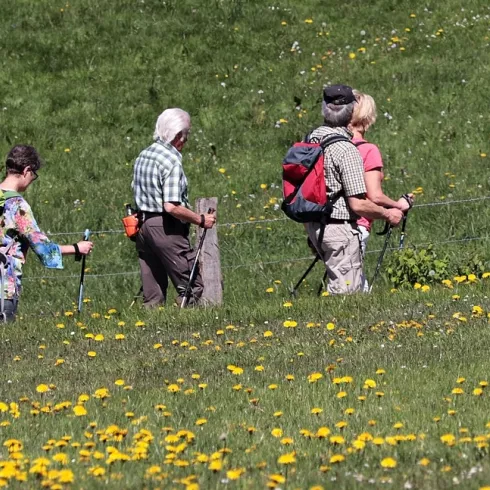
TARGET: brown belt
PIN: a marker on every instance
(167, 220)
(144, 215)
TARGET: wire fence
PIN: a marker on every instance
(259, 264)
(269, 220)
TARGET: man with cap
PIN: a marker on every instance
(337, 240)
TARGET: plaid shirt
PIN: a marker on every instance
(344, 171)
(158, 177)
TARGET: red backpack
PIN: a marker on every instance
(303, 181)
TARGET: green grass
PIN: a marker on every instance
(421, 346)
(91, 77)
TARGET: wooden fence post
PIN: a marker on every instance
(210, 263)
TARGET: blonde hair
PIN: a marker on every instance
(170, 123)
(364, 115)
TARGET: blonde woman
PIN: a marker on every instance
(363, 117)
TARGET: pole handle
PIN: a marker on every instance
(386, 229)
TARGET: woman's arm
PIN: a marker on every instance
(84, 248)
(49, 253)
(375, 193)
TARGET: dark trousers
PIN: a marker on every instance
(10, 310)
(165, 252)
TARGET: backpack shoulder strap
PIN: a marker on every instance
(334, 138)
(10, 194)
(5, 195)
(306, 139)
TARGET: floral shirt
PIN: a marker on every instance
(17, 224)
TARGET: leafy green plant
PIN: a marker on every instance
(406, 267)
(471, 263)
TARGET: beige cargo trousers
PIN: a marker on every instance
(340, 250)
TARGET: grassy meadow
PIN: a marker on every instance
(381, 391)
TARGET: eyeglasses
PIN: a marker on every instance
(34, 173)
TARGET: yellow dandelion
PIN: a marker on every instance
(323, 432)
(215, 465)
(337, 458)
(234, 474)
(448, 439)
(358, 444)
(288, 458)
(42, 388)
(314, 377)
(388, 463)
(79, 410)
(277, 432)
(173, 388)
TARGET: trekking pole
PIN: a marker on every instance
(382, 254)
(405, 217)
(188, 288)
(294, 291)
(402, 233)
(86, 236)
(136, 296)
(322, 284)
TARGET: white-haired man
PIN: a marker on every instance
(160, 192)
(337, 240)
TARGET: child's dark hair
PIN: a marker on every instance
(21, 157)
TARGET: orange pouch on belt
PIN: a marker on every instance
(131, 225)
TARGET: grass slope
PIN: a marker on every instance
(84, 83)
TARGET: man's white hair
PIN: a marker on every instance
(170, 123)
(337, 116)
